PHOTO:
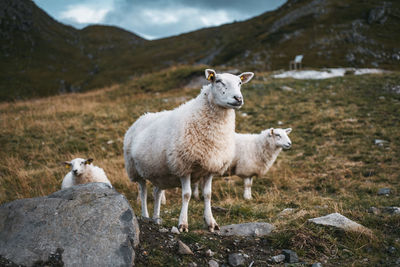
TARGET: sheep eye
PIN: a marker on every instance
(278, 135)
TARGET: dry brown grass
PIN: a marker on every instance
(333, 166)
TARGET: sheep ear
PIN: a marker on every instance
(88, 161)
(288, 130)
(245, 77)
(271, 132)
(67, 164)
(210, 75)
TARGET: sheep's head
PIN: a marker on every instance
(280, 137)
(78, 165)
(225, 88)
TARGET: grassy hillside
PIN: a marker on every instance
(41, 57)
(333, 166)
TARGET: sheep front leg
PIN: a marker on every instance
(157, 192)
(183, 225)
(163, 198)
(247, 188)
(208, 217)
(143, 198)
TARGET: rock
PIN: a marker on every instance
(247, 229)
(391, 250)
(339, 221)
(286, 88)
(290, 256)
(317, 264)
(380, 142)
(163, 230)
(392, 210)
(374, 210)
(213, 263)
(278, 258)
(210, 253)
(84, 225)
(286, 211)
(280, 122)
(175, 230)
(183, 249)
(236, 259)
(384, 191)
(192, 264)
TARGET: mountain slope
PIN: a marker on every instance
(40, 56)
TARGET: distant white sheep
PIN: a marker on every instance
(173, 148)
(83, 172)
(254, 155)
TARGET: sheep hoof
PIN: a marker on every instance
(157, 221)
(213, 227)
(183, 228)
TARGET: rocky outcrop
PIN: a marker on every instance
(85, 225)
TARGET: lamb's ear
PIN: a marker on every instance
(271, 132)
(288, 130)
(210, 75)
(88, 161)
(245, 77)
(67, 164)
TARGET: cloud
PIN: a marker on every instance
(83, 14)
(156, 18)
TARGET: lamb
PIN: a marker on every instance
(176, 147)
(83, 172)
(254, 155)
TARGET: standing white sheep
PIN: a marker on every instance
(83, 172)
(254, 155)
(173, 148)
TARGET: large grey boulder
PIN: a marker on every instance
(85, 225)
(247, 229)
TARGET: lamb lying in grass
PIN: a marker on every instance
(172, 148)
(254, 155)
(83, 172)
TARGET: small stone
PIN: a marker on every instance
(109, 142)
(384, 191)
(192, 264)
(374, 210)
(175, 230)
(213, 263)
(247, 229)
(339, 221)
(183, 249)
(391, 250)
(280, 123)
(317, 264)
(380, 142)
(236, 259)
(287, 88)
(286, 211)
(209, 253)
(290, 256)
(278, 258)
(393, 210)
(163, 230)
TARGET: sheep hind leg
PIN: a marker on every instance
(143, 198)
(208, 217)
(158, 193)
(183, 225)
(247, 188)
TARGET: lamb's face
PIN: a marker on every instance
(78, 165)
(281, 137)
(225, 88)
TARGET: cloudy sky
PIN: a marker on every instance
(153, 19)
